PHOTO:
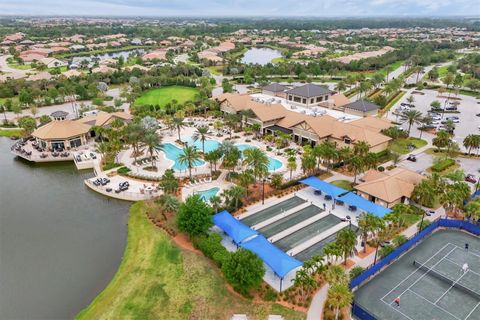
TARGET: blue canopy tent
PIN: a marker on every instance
(365, 205)
(323, 186)
(280, 262)
(232, 227)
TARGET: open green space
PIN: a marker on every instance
(347, 185)
(162, 96)
(19, 66)
(401, 145)
(11, 133)
(215, 70)
(158, 280)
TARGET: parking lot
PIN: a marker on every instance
(424, 161)
(468, 108)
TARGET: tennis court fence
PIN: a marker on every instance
(358, 311)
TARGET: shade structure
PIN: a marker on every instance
(280, 262)
(365, 205)
(232, 227)
(323, 186)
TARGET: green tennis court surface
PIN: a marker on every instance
(434, 287)
(317, 248)
(290, 221)
(272, 211)
(308, 232)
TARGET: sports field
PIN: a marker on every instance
(429, 280)
(162, 96)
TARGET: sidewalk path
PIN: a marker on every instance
(315, 311)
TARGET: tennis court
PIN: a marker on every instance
(429, 280)
(308, 232)
(272, 211)
(290, 221)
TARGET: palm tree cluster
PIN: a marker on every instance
(356, 160)
(339, 295)
(450, 191)
(472, 142)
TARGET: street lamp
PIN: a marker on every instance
(263, 191)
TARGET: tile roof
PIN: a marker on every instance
(362, 105)
(309, 90)
(391, 185)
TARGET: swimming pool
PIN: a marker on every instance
(273, 164)
(173, 153)
(206, 195)
(210, 145)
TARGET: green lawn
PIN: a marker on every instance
(157, 280)
(347, 185)
(164, 95)
(19, 66)
(215, 70)
(400, 145)
(11, 132)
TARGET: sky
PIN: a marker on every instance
(230, 8)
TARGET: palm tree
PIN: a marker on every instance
(202, 135)
(339, 296)
(257, 160)
(472, 141)
(346, 241)
(178, 124)
(361, 148)
(291, 165)
(356, 164)
(442, 139)
(245, 179)
(411, 116)
(190, 157)
(152, 141)
(212, 157)
(168, 203)
(368, 223)
(304, 279)
(336, 274)
(256, 127)
(236, 193)
(169, 182)
(133, 135)
(215, 202)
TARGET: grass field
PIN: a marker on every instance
(215, 70)
(164, 95)
(347, 185)
(11, 133)
(19, 66)
(401, 145)
(157, 280)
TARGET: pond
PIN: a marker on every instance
(261, 56)
(60, 243)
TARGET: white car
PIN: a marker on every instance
(436, 122)
(435, 117)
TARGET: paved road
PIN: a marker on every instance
(12, 72)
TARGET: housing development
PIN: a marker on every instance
(239, 168)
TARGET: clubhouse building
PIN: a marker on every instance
(307, 128)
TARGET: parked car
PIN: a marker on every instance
(412, 158)
(451, 108)
(470, 178)
(478, 114)
(453, 120)
(436, 117)
(436, 122)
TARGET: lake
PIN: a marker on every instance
(260, 56)
(60, 243)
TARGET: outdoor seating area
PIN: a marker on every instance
(29, 149)
(197, 182)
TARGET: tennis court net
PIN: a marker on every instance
(473, 292)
